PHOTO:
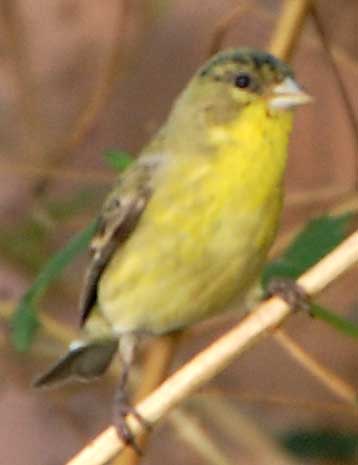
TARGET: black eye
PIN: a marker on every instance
(242, 80)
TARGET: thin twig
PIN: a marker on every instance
(286, 36)
(27, 170)
(240, 428)
(204, 366)
(190, 430)
(256, 397)
(56, 330)
(268, 15)
(335, 384)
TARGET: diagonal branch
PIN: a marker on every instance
(208, 363)
(191, 431)
(335, 384)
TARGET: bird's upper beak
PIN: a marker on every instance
(288, 94)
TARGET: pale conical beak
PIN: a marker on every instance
(288, 94)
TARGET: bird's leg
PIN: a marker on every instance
(122, 406)
(290, 291)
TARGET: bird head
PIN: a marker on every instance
(241, 76)
(226, 89)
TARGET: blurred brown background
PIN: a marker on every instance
(78, 78)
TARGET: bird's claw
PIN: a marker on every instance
(290, 291)
(124, 408)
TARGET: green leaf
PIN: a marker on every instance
(317, 239)
(341, 324)
(118, 160)
(322, 444)
(24, 324)
(24, 321)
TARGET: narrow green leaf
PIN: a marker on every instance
(341, 324)
(24, 324)
(319, 237)
(332, 445)
(118, 160)
(24, 321)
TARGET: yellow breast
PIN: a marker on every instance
(205, 232)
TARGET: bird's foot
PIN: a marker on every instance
(290, 291)
(122, 409)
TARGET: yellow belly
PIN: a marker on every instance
(200, 243)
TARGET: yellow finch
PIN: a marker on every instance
(185, 231)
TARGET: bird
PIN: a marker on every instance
(186, 229)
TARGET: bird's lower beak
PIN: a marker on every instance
(288, 94)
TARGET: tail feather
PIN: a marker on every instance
(83, 362)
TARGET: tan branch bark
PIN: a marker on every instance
(288, 30)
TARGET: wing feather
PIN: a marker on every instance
(119, 216)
